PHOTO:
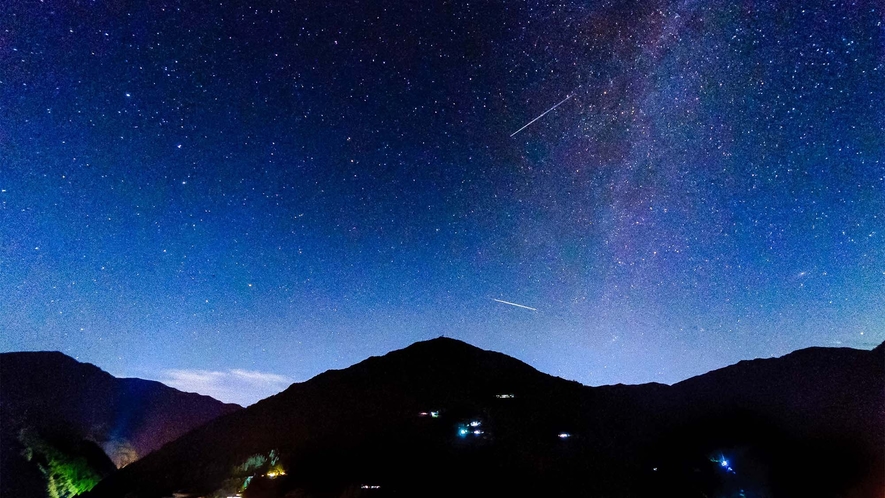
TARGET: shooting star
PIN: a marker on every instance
(514, 304)
(541, 116)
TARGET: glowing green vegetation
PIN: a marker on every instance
(258, 465)
(67, 474)
(252, 463)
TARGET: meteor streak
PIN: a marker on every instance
(539, 117)
(514, 304)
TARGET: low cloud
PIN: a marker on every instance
(243, 387)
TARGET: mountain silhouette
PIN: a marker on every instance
(443, 418)
(63, 416)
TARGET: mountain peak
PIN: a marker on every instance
(446, 361)
(443, 340)
(441, 345)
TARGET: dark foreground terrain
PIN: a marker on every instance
(64, 425)
(443, 418)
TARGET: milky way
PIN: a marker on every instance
(287, 187)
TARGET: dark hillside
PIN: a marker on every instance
(809, 423)
(58, 412)
(437, 418)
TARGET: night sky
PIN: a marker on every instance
(232, 196)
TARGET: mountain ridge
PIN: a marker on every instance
(67, 423)
(346, 426)
(134, 380)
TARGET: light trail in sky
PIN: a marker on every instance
(514, 304)
(541, 116)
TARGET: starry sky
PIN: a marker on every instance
(230, 196)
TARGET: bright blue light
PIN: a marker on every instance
(724, 463)
(463, 432)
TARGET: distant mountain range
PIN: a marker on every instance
(65, 424)
(443, 418)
